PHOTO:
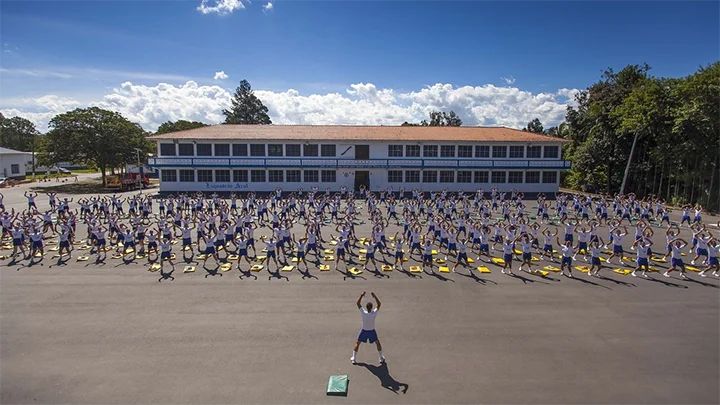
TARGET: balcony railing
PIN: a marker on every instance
(361, 164)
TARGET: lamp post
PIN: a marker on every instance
(139, 177)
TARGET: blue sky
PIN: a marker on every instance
(78, 52)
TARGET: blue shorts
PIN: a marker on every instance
(368, 336)
(312, 246)
(507, 258)
(685, 218)
(270, 254)
(187, 242)
(484, 248)
(569, 237)
(712, 261)
(701, 252)
(17, 242)
(300, 255)
(165, 255)
(641, 261)
(101, 242)
(340, 252)
(452, 246)
(64, 244)
(427, 258)
(415, 246)
(210, 250)
(547, 248)
(527, 256)
(678, 263)
(595, 261)
(582, 246)
(369, 255)
(243, 252)
(37, 244)
(398, 255)
(152, 245)
(618, 249)
(228, 238)
(462, 256)
(567, 260)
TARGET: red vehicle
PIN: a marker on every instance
(128, 181)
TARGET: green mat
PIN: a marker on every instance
(337, 385)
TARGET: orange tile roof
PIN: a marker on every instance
(356, 133)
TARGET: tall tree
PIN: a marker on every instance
(246, 107)
(535, 126)
(437, 119)
(180, 125)
(18, 133)
(102, 137)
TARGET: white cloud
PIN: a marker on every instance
(220, 7)
(508, 80)
(220, 75)
(91, 73)
(360, 104)
(268, 7)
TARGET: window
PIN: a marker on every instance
(412, 176)
(187, 176)
(412, 150)
(292, 149)
(222, 149)
(482, 151)
(257, 149)
(293, 176)
(311, 176)
(517, 152)
(15, 169)
(167, 149)
(204, 149)
(464, 176)
(240, 149)
(515, 177)
(310, 150)
(186, 149)
(447, 176)
(276, 176)
(240, 176)
(482, 177)
(204, 175)
(534, 151)
(429, 176)
(328, 176)
(499, 151)
(168, 175)
(395, 176)
(551, 152)
(430, 151)
(532, 177)
(395, 151)
(549, 177)
(222, 176)
(498, 177)
(447, 151)
(275, 150)
(327, 150)
(257, 176)
(465, 151)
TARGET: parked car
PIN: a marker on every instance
(63, 170)
(3, 181)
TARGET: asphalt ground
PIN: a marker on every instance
(113, 334)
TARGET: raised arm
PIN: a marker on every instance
(359, 301)
(377, 300)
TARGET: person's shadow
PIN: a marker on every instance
(386, 380)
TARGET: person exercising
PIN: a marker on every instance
(367, 333)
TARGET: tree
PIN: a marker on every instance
(438, 119)
(535, 126)
(180, 125)
(246, 107)
(102, 137)
(18, 133)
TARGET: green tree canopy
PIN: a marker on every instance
(18, 133)
(179, 125)
(535, 126)
(246, 107)
(102, 137)
(438, 119)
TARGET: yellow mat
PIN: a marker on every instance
(658, 260)
(439, 261)
(260, 258)
(116, 256)
(333, 242)
(52, 249)
(497, 260)
(294, 260)
(362, 258)
(415, 269)
(444, 269)
(329, 258)
(202, 256)
(354, 271)
(362, 251)
(471, 261)
(542, 273)
(154, 267)
(189, 269)
(624, 272)
(483, 269)
(233, 257)
(386, 267)
(84, 247)
(324, 267)
(691, 268)
(552, 268)
(329, 251)
(434, 252)
(256, 267)
(584, 269)
(288, 268)
(226, 266)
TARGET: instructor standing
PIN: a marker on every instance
(367, 333)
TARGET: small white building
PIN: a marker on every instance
(245, 158)
(12, 163)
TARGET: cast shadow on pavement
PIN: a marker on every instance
(386, 380)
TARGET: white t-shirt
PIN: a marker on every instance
(368, 318)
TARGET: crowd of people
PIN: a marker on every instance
(300, 228)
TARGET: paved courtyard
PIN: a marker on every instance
(83, 333)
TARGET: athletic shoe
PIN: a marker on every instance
(382, 359)
(633, 274)
(666, 274)
(684, 277)
(702, 274)
(352, 360)
(692, 262)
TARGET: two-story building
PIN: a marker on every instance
(245, 158)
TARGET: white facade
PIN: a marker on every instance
(12, 163)
(256, 165)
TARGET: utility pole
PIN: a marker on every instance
(139, 177)
(627, 167)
